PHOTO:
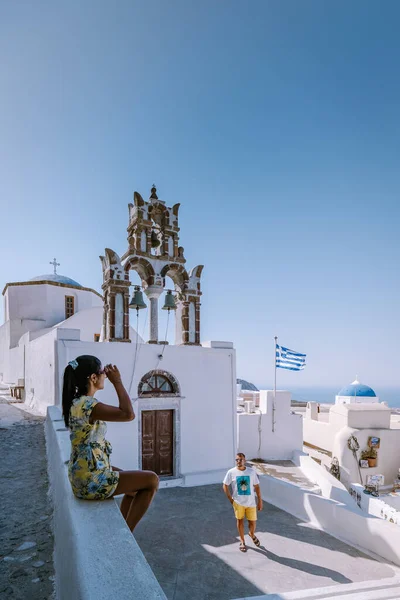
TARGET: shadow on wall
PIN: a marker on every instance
(363, 530)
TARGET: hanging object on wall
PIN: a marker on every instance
(169, 303)
(354, 446)
(335, 469)
(352, 443)
(137, 301)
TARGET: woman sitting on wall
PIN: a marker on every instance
(91, 475)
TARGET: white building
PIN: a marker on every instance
(357, 412)
(33, 308)
(184, 395)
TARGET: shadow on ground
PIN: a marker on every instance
(190, 541)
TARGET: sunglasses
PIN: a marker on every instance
(102, 372)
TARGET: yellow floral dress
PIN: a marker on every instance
(89, 468)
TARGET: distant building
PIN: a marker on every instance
(247, 392)
(356, 392)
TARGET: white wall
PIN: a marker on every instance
(4, 350)
(90, 321)
(363, 421)
(374, 506)
(328, 484)
(319, 433)
(207, 379)
(11, 359)
(95, 554)
(322, 434)
(388, 462)
(268, 444)
(345, 522)
(360, 416)
(41, 369)
(47, 302)
(356, 399)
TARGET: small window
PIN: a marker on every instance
(69, 306)
(158, 383)
(96, 337)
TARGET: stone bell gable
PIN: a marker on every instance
(154, 253)
(153, 229)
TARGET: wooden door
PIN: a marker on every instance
(158, 441)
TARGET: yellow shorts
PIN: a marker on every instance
(250, 512)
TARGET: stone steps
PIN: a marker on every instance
(382, 589)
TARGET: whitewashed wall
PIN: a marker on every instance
(207, 406)
(4, 350)
(89, 322)
(278, 444)
(12, 361)
(41, 375)
(363, 421)
(319, 433)
(388, 462)
(46, 302)
(344, 521)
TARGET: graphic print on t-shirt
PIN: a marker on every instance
(243, 485)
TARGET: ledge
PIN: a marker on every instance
(95, 554)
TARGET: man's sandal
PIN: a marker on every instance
(242, 547)
(256, 541)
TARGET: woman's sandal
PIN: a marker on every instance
(256, 541)
(242, 547)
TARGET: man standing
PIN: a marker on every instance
(245, 486)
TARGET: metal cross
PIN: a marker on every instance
(55, 265)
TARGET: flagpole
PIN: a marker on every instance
(273, 404)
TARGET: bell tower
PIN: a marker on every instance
(154, 253)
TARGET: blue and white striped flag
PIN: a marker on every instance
(289, 359)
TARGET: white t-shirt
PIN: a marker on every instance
(242, 483)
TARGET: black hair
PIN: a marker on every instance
(76, 381)
(240, 454)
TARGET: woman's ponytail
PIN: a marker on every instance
(68, 393)
(76, 380)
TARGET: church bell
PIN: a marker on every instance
(137, 299)
(169, 303)
(155, 242)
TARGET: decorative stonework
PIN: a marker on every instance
(116, 298)
(154, 253)
(153, 394)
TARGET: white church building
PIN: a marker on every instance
(183, 394)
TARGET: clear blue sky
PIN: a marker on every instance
(274, 123)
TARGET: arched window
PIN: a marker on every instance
(158, 383)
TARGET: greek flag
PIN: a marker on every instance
(289, 359)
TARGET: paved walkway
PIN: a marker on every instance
(189, 539)
(26, 543)
(285, 470)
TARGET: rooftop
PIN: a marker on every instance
(57, 279)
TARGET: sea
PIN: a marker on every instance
(326, 395)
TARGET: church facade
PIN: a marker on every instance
(183, 394)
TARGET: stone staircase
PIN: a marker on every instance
(382, 589)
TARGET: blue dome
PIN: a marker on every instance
(57, 279)
(357, 389)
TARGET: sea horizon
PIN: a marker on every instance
(326, 394)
